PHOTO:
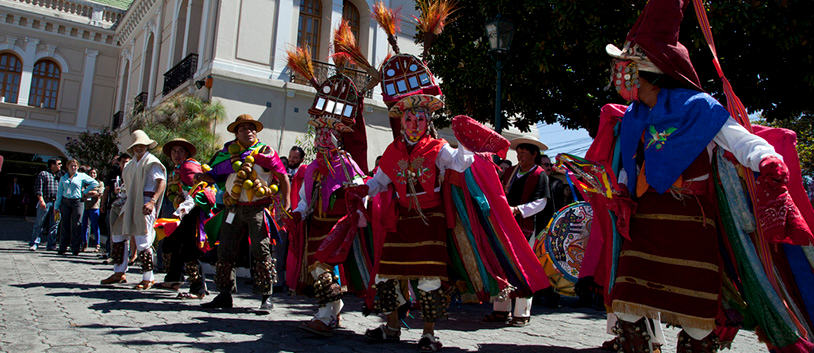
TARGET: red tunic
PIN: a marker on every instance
(415, 250)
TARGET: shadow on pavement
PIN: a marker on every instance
(275, 336)
(501, 347)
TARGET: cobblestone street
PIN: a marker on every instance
(52, 303)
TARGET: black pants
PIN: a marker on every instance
(70, 224)
(183, 245)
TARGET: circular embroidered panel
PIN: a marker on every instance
(567, 238)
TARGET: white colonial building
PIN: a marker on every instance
(59, 65)
(168, 46)
(68, 66)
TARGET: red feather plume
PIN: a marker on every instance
(299, 60)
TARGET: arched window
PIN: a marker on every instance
(308, 27)
(10, 71)
(351, 14)
(44, 84)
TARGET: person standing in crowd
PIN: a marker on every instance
(504, 165)
(560, 192)
(107, 199)
(526, 188)
(295, 157)
(115, 197)
(184, 246)
(246, 208)
(90, 217)
(144, 180)
(15, 196)
(3, 198)
(46, 186)
(73, 187)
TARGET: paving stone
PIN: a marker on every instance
(51, 303)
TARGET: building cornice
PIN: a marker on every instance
(81, 11)
(130, 22)
(64, 26)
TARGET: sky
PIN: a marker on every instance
(560, 140)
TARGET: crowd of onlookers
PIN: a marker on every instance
(71, 202)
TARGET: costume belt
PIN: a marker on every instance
(266, 201)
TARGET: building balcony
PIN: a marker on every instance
(139, 102)
(180, 73)
(323, 70)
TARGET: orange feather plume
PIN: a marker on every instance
(299, 60)
(435, 14)
(387, 18)
(345, 46)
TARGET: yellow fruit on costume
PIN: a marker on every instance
(205, 167)
(174, 187)
(241, 174)
(249, 159)
(234, 148)
(261, 192)
(248, 184)
(236, 165)
(236, 189)
(273, 189)
(254, 174)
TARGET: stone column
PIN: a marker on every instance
(87, 88)
(28, 68)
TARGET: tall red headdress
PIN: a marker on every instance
(655, 33)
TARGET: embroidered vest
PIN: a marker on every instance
(533, 177)
(399, 165)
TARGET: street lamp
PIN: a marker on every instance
(500, 32)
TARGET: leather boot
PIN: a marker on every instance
(222, 301)
(266, 303)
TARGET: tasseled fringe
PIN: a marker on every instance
(410, 278)
(666, 316)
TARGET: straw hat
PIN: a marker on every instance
(141, 138)
(244, 118)
(167, 149)
(521, 140)
(419, 100)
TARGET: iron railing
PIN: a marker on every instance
(180, 73)
(323, 70)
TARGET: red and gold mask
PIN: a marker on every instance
(625, 77)
(324, 140)
(414, 124)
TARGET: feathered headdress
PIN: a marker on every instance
(346, 48)
(299, 60)
(435, 14)
(389, 20)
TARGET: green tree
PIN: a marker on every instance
(95, 149)
(184, 116)
(557, 70)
